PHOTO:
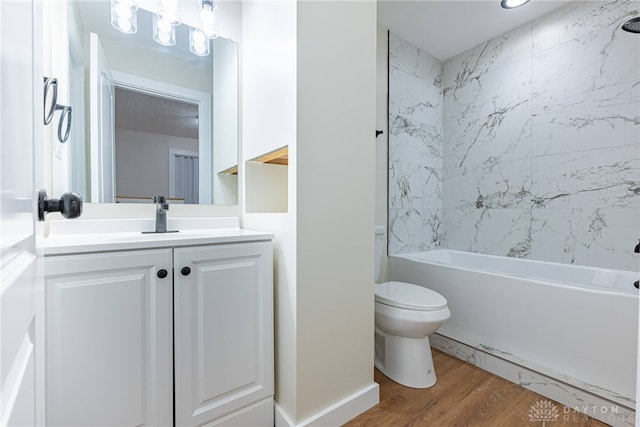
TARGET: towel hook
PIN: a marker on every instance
(50, 84)
(66, 113)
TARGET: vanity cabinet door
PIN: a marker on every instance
(109, 339)
(223, 331)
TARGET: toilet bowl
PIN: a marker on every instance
(405, 316)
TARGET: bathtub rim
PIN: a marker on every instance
(585, 287)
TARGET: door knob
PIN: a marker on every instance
(162, 273)
(69, 205)
(185, 271)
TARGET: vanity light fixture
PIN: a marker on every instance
(512, 4)
(209, 19)
(124, 16)
(198, 42)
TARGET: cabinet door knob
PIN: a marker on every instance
(162, 273)
(185, 271)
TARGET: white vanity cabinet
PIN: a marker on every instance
(127, 345)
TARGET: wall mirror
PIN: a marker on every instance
(149, 119)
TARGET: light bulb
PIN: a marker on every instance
(164, 32)
(124, 16)
(170, 13)
(209, 21)
(164, 37)
(124, 25)
(198, 42)
(164, 26)
(199, 37)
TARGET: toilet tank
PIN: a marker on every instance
(380, 249)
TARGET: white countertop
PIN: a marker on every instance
(81, 236)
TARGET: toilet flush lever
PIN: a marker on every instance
(69, 205)
(637, 249)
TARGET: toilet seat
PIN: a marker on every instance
(409, 296)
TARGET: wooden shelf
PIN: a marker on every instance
(233, 170)
(279, 156)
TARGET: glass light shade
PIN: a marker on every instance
(124, 16)
(209, 20)
(169, 12)
(164, 32)
(198, 42)
(512, 4)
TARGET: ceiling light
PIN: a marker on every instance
(512, 4)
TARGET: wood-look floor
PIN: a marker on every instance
(463, 396)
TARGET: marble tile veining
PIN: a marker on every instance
(493, 184)
(413, 98)
(505, 49)
(490, 231)
(488, 94)
(407, 57)
(593, 62)
(579, 19)
(608, 177)
(414, 230)
(605, 118)
(503, 135)
(602, 237)
(414, 143)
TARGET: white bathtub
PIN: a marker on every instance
(578, 324)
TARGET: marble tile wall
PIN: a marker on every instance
(415, 148)
(539, 144)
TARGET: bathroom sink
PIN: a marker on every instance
(125, 234)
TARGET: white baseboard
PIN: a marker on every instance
(336, 414)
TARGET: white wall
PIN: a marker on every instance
(156, 66)
(315, 91)
(133, 156)
(336, 206)
(268, 122)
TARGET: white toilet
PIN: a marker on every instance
(405, 315)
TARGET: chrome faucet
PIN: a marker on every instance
(161, 213)
(162, 206)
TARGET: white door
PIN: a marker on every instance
(21, 135)
(102, 122)
(223, 330)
